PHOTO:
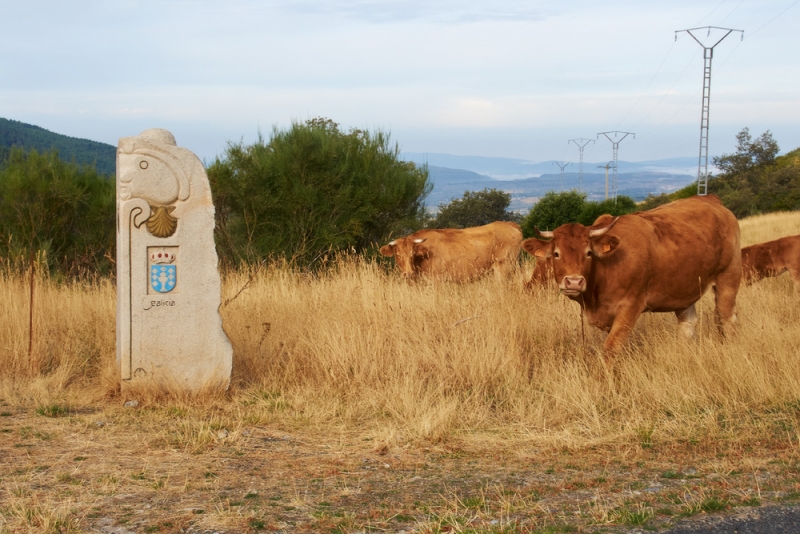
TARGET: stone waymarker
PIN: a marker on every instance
(169, 331)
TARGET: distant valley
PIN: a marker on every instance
(528, 181)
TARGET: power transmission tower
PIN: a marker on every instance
(562, 166)
(581, 144)
(606, 167)
(708, 54)
(615, 143)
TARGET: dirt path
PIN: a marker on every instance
(111, 469)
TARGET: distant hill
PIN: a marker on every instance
(444, 175)
(82, 151)
(514, 169)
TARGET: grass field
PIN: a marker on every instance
(360, 402)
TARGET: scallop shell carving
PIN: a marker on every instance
(161, 222)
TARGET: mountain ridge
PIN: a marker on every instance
(82, 151)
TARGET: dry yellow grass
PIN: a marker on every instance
(355, 357)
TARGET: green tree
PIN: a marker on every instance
(313, 189)
(754, 179)
(750, 154)
(475, 208)
(60, 211)
(553, 210)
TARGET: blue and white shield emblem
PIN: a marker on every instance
(163, 277)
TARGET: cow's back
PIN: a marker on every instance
(771, 258)
(673, 252)
(461, 254)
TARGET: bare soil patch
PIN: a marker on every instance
(107, 468)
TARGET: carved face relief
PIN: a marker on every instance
(149, 177)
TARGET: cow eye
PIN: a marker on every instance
(556, 255)
(589, 254)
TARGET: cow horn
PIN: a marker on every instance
(392, 243)
(602, 231)
(418, 241)
(546, 233)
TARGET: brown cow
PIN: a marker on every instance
(457, 255)
(771, 259)
(543, 268)
(661, 260)
(542, 273)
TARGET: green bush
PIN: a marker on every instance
(311, 190)
(555, 209)
(475, 209)
(61, 212)
(620, 206)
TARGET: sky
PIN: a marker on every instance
(497, 78)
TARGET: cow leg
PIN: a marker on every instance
(502, 270)
(795, 273)
(687, 319)
(620, 330)
(725, 299)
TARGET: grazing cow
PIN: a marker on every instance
(457, 255)
(771, 259)
(542, 273)
(662, 260)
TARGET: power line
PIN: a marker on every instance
(668, 90)
(712, 11)
(648, 85)
(774, 18)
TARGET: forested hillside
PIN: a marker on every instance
(81, 151)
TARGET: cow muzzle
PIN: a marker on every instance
(572, 286)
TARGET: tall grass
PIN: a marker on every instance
(358, 349)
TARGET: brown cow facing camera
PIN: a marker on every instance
(771, 259)
(661, 260)
(458, 255)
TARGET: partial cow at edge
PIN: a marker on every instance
(661, 260)
(542, 274)
(771, 259)
(458, 255)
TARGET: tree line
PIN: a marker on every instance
(312, 190)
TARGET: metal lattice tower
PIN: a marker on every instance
(615, 143)
(581, 144)
(562, 165)
(708, 54)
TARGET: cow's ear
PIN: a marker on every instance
(537, 248)
(605, 245)
(388, 250)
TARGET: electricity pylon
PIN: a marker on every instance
(615, 143)
(606, 167)
(562, 166)
(581, 144)
(708, 54)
